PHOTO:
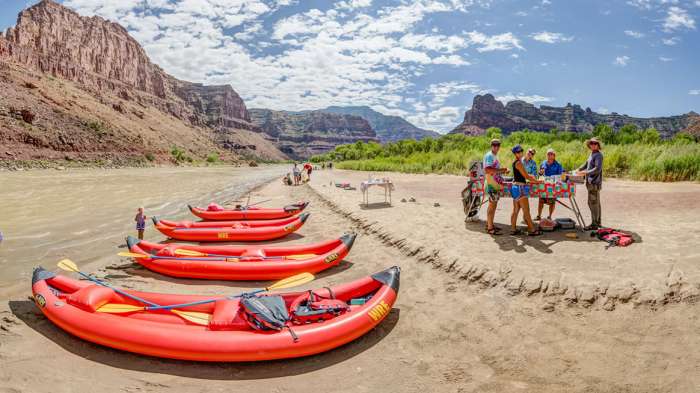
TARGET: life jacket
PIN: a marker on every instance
(266, 313)
(312, 307)
(614, 237)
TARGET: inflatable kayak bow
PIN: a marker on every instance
(232, 329)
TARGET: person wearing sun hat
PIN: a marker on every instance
(593, 170)
(549, 167)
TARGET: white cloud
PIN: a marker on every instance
(678, 19)
(353, 4)
(486, 43)
(550, 38)
(665, 59)
(603, 110)
(452, 60)
(435, 42)
(634, 34)
(641, 4)
(694, 92)
(442, 119)
(621, 61)
(532, 98)
(440, 92)
(515, 55)
(670, 41)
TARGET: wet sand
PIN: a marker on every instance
(444, 334)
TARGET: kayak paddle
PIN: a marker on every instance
(199, 317)
(192, 253)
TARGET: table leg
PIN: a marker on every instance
(577, 212)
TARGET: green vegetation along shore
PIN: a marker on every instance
(631, 153)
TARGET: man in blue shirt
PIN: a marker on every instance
(550, 167)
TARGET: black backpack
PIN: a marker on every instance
(266, 313)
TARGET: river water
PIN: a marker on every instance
(85, 214)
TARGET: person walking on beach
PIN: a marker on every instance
(308, 168)
(549, 167)
(140, 222)
(493, 184)
(520, 192)
(297, 174)
(593, 170)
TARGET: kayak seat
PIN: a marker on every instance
(254, 252)
(227, 317)
(214, 207)
(91, 297)
(167, 251)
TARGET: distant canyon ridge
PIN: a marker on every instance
(82, 89)
(487, 112)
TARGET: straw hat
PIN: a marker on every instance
(594, 140)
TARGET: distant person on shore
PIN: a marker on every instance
(308, 168)
(520, 191)
(287, 180)
(330, 165)
(297, 174)
(323, 165)
(140, 222)
(549, 167)
(493, 184)
(593, 170)
(529, 162)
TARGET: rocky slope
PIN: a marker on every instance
(388, 128)
(302, 134)
(488, 112)
(75, 60)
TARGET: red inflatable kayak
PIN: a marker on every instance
(228, 335)
(251, 262)
(228, 231)
(248, 213)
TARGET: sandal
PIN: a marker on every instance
(493, 231)
(535, 233)
(538, 218)
(515, 232)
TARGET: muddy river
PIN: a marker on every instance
(84, 214)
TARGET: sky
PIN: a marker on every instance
(424, 60)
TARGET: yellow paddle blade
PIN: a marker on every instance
(132, 255)
(300, 256)
(293, 281)
(68, 265)
(190, 253)
(115, 308)
(200, 318)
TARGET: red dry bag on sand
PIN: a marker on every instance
(614, 237)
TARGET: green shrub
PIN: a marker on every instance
(213, 157)
(180, 155)
(633, 153)
(150, 156)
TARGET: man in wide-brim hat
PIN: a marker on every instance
(593, 170)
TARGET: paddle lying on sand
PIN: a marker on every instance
(136, 255)
(191, 253)
(201, 318)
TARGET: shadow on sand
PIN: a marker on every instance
(543, 243)
(30, 315)
(375, 205)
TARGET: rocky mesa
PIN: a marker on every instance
(388, 128)
(87, 88)
(302, 134)
(487, 112)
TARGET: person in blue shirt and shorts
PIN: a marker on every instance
(549, 167)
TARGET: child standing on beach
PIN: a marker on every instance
(140, 222)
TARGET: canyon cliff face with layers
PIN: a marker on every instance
(487, 112)
(302, 134)
(81, 88)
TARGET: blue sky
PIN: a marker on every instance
(425, 59)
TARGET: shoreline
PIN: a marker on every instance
(446, 335)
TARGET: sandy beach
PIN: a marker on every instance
(474, 314)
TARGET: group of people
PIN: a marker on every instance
(525, 172)
(296, 176)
